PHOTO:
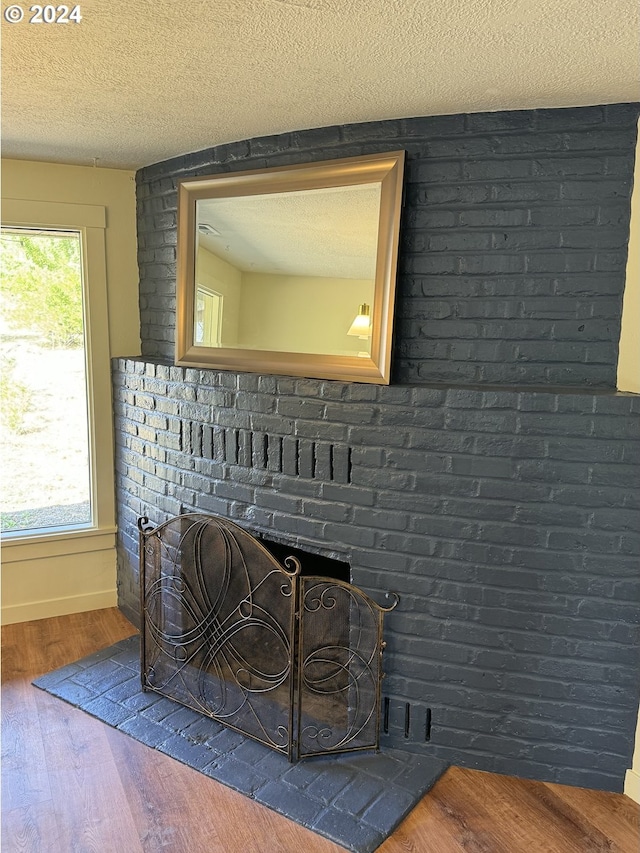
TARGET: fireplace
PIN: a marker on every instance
(291, 660)
(493, 485)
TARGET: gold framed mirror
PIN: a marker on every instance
(291, 270)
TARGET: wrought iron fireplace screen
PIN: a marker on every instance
(292, 661)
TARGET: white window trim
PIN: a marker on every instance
(90, 221)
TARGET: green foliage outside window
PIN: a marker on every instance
(40, 287)
(40, 305)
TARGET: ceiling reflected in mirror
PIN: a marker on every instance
(295, 233)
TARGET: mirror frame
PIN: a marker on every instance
(387, 169)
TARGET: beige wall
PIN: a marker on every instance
(58, 573)
(272, 306)
(629, 355)
(115, 189)
(629, 380)
(263, 311)
(224, 278)
(632, 779)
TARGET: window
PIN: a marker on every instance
(55, 351)
(46, 482)
(208, 317)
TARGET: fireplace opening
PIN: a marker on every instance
(311, 564)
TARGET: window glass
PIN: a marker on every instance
(45, 434)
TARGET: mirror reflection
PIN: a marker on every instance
(287, 272)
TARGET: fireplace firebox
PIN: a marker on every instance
(291, 660)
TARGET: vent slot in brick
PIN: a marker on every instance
(311, 460)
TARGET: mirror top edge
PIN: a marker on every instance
(366, 168)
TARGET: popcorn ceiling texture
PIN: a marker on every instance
(135, 83)
(501, 504)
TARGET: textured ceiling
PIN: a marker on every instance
(136, 83)
(322, 232)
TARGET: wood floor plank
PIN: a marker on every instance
(24, 774)
(80, 763)
(33, 648)
(74, 785)
(615, 817)
(466, 816)
(573, 829)
(174, 803)
(515, 810)
(524, 814)
(61, 789)
(429, 827)
(29, 830)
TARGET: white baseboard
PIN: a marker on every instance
(32, 610)
(632, 785)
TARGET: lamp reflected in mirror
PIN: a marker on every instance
(361, 328)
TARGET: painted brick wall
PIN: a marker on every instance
(505, 515)
(506, 520)
(514, 238)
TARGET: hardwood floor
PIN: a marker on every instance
(74, 785)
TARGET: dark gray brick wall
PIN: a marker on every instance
(507, 520)
(513, 248)
(504, 514)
